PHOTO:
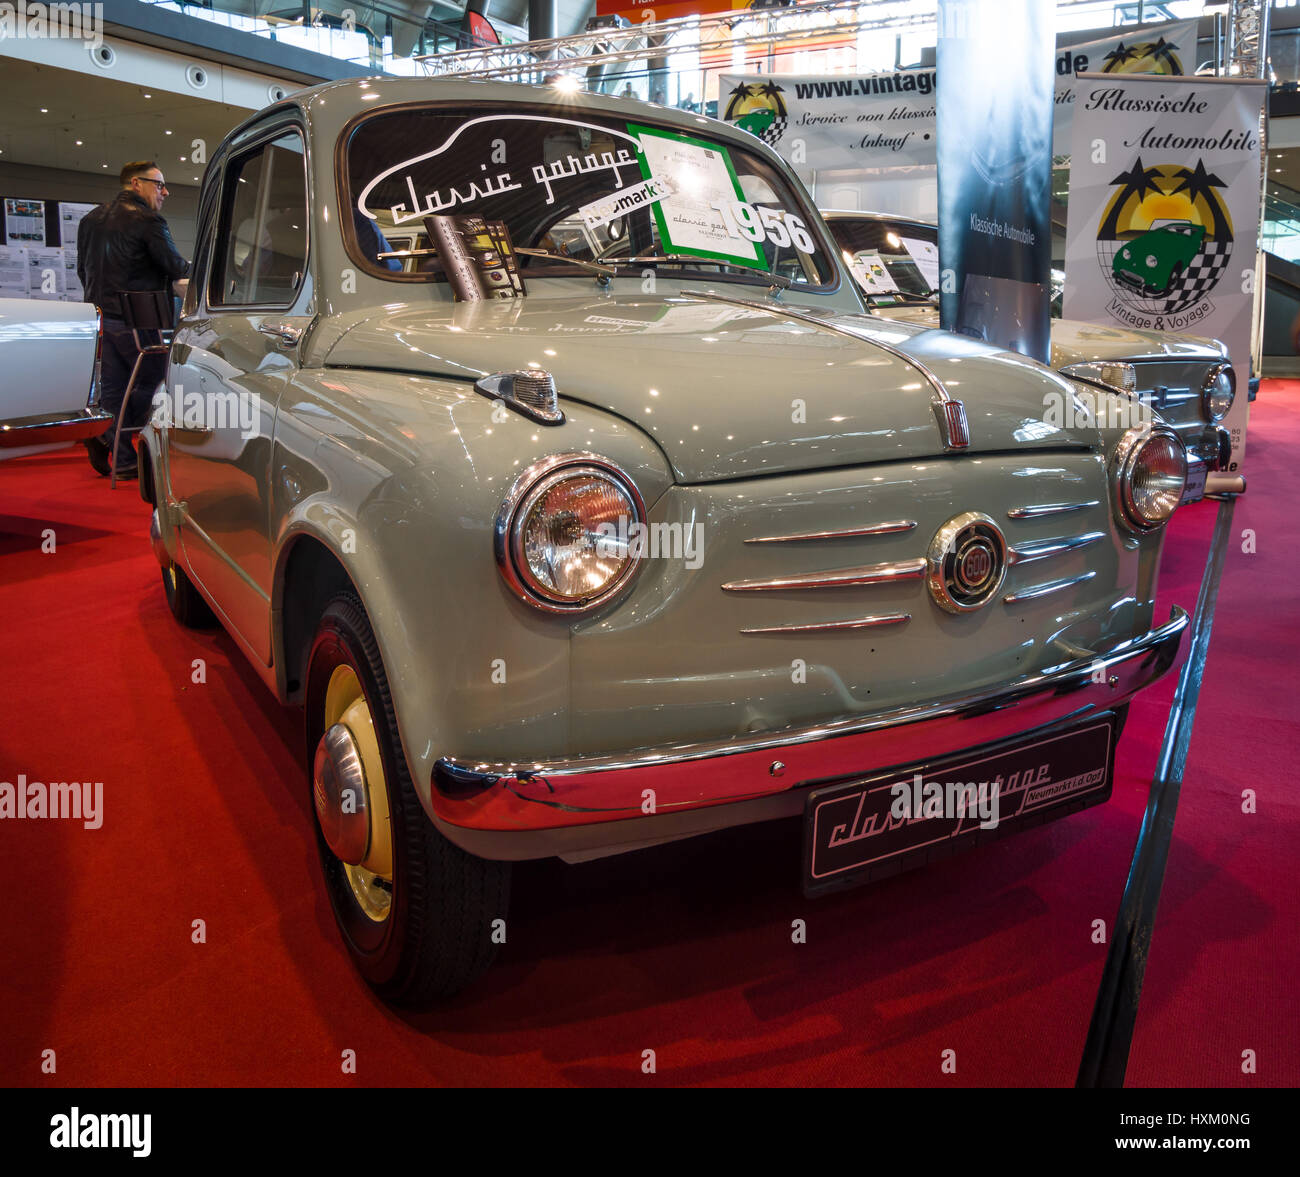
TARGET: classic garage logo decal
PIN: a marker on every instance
(1163, 243)
(759, 108)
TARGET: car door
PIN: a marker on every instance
(232, 358)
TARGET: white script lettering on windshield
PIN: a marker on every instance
(434, 202)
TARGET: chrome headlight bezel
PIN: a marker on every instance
(1124, 461)
(526, 490)
(1209, 386)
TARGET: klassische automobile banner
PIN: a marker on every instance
(1164, 209)
(887, 119)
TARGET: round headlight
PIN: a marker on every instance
(1219, 391)
(565, 534)
(1150, 474)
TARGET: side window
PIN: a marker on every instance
(261, 255)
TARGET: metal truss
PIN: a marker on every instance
(1248, 38)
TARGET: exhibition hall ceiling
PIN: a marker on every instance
(44, 111)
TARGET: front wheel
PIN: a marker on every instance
(416, 912)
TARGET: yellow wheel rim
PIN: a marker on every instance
(371, 880)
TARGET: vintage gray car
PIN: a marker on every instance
(570, 542)
(1187, 380)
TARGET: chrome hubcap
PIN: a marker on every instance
(351, 797)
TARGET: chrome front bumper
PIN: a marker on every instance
(580, 808)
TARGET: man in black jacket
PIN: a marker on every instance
(126, 245)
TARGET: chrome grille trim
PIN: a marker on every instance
(1041, 549)
(840, 578)
(1042, 590)
(846, 533)
(1037, 510)
(828, 626)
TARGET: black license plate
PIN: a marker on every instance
(876, 826)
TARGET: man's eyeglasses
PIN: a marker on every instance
(150, 180)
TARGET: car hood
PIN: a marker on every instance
(1077, 342)
(730, 390)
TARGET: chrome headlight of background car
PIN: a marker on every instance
(563, 535)
(1105, 374)
(1219, 391)
(1148, 473)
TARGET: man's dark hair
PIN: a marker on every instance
(129, 173)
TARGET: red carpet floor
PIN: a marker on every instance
(684, 950)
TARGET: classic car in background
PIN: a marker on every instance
(1184, 378)
(47, 390)
(662, 535)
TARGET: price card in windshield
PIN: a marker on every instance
(703, 181)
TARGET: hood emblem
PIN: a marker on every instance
(967, 563)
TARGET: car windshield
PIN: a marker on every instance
(889, 257)
(430, 187)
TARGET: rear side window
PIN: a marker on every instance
(261, 255)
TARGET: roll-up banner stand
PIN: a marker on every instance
(1163, 219)
(884, 120)
(995, 171)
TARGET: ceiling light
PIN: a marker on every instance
(568, 84)
(148, 95)
(45, 110)
(78, 142)
(166, 132)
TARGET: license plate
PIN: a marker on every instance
(869, 828)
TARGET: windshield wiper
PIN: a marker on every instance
(595, 267)
(773, 279)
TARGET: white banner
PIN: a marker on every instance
(886, 120)
(1164, 212)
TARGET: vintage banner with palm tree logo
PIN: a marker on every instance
(1164, 211)
(883, 120)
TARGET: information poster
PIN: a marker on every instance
(45, 273)
(698, 217)
(13, 272)
(69, 218)
(926, 256)
(24, 222)
(1163, 218)
(72, 288)
(871, 273)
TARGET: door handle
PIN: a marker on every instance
(285, 334)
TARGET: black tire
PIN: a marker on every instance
(98, 452)
(185, 601)
(437, 934)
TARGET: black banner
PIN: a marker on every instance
(994, 130)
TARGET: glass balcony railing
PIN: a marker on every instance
(371, 36)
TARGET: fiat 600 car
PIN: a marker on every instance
(541, 448)
(1189, 381)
